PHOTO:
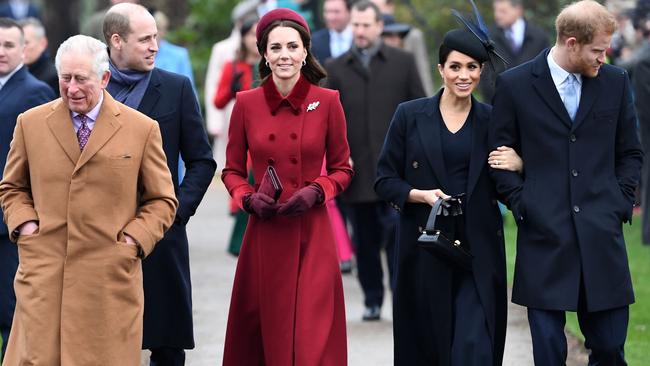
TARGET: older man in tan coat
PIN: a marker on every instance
(86, 193)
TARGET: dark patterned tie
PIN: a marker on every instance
(83, 134)
(510, 36)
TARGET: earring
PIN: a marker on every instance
(304, 62)
(267, 64)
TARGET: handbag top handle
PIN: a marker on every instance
(431, 221)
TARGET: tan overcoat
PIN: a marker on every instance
(79, 285)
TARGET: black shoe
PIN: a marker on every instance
(372, 313)
(346, 267)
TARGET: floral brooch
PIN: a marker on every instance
(313, 106)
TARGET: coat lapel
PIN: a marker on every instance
(506, 51)
(588, 95)
(105, 127)
(60, 124)
(151, 95)
(357, 66)
(545, 87)
(13, 82)
(478, 159)
(428, 125)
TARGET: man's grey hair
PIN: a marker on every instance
(39, 29)
(90, 46)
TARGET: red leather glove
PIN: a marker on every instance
(301, 201)
(260, 204)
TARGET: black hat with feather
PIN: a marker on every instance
(474, 40)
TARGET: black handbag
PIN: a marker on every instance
(438, 238)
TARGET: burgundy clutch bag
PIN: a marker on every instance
(270, 184)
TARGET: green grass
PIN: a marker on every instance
(638, 334)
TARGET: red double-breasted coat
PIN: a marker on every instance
(287, 303)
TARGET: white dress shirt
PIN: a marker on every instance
(559, 76)
(91, 116)
(340, 42)
(517, 31)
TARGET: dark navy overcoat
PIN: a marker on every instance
(577, 188)
(21, 92)
(170, 100)
(423, 301)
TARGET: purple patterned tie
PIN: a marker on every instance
(84, 132)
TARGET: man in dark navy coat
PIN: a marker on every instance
(19, 91)
(131, 33)
(572, 119)
(336, 38)
(516, 38)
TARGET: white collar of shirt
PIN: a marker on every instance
(5, 79)
(267, 6)
(340, 42)
(559, 75)
(91, 116)
(344, 34)
(518, 30)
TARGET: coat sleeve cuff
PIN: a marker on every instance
(326, 187)
(239, 193)
(141, 235)
(20, 217)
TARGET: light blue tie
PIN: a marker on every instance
(571, 100)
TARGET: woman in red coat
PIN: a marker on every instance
(287, 303)
(239, 74)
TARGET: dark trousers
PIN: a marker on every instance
(4, 331)
(604, 332)
(167, 356)
(471, 342)
(374, 225)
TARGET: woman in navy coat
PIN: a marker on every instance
(437, 146)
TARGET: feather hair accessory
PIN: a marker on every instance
(480, 30)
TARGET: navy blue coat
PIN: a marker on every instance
(578, 186)
(7, 12)
(22, 92)
(170, 100)
(320, 45)
(423, 301)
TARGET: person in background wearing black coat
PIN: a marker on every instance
(37, 58)
(516, 39)
(640, 75)
(435, 147)
(130, 32)
(572, 118)
(373, 79)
